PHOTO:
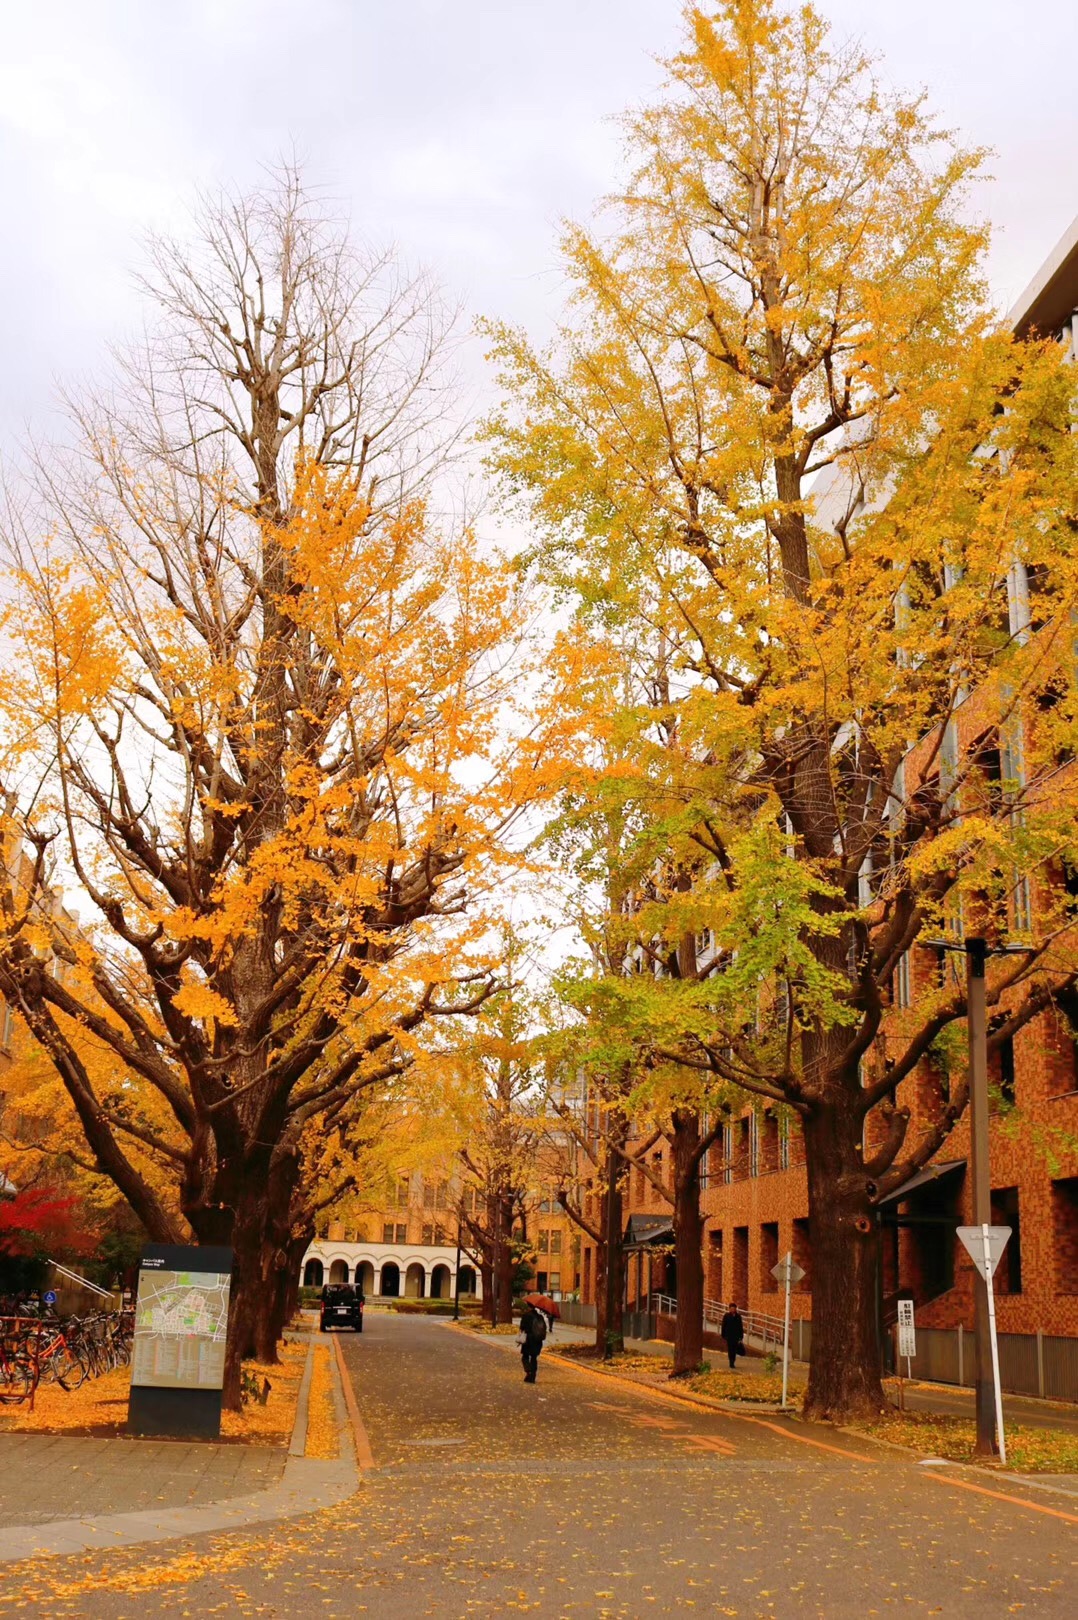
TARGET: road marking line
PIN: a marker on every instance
(647, 1390)
(708, 1442)
(1002, 1496)
(364, 1454)
(804, 1439)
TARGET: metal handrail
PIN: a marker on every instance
(758, 1324)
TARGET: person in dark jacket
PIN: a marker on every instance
(732, 1333)
(533, 1331)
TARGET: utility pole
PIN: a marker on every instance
(977, 1025)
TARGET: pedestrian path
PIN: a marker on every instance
(65, 1494)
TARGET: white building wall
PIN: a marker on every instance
(427, 1256)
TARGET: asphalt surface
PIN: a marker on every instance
(574, 1497)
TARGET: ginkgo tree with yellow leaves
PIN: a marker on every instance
(258, 726)
(781, 434)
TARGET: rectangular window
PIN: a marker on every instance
(728, 1153)
(802, 1253)
(754, 1145)
(428, 1234)
(769, 1256)
(555, 1242)
(402, 1195)
(1065, 1233)
(544, 1242)
(554, 1282)
(402, 1232)
(903, 996)
(387, 1232)
(739, 1281)
(1005, 1213)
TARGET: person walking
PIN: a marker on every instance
(732, 1333)
(533, 1332)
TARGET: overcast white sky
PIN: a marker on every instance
(462, 131)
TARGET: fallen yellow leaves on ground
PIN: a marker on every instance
(271, 1424)
(485, 1327)
(322, 1426)
(1029, 1451)
(723, 1385)
(99, 1406)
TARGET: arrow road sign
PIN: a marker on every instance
(779, 1271)
(974, 1242)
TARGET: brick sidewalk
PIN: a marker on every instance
(48, 1477)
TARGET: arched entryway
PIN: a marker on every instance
(391, 1279)
(467, 1280)
(439, 1283)
(365, 1277)
(338, 1273)
(314, 1274)
(414, 1278)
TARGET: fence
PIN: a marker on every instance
(1029, 1363)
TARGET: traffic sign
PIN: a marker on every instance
(50, 1298)
(787, 1265)
(907, 1336)
(973, 1238)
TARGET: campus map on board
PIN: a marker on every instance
(181, 1322)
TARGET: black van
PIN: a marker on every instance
(341, 1307)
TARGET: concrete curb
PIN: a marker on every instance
(308, 1483)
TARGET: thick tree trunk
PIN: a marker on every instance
(688, 1244)
(844, 1370)
(486, 1272)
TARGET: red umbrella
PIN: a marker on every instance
(544, 1302)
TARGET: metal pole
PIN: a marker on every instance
(995, 1344)
(788, 1262)
(456, 1277)
(976, 1018)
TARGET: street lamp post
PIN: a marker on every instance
(456, 1277)
(977, 951)
(977, 1025)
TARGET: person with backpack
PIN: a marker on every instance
(533, 1332)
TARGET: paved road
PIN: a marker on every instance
(578, 1498)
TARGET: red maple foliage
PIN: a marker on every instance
(42, 1221)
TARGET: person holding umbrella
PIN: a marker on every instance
(536, 1321)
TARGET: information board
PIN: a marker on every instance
(907, 1336)
(181, 1328)
(181, 1335)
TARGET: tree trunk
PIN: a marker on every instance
(486, 1272)
(844, 1370)
(688, 1244)
(613, 1294)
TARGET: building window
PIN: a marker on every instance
(902, 981)
(402, 1195)
(1065, 1233)
(769, 1256)
(387, 1232)
(1005, 1213)
(555, 1242)
(802, 1253)
(754, 1145)
(428, 1234)
(554, 1282)
(728, 1153)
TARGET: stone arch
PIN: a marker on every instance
(467, 1279)
(391, 1279)
(440, 1282)
(365, 1276)
(314, 1274)
(415, 1280)
(338, 1273)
